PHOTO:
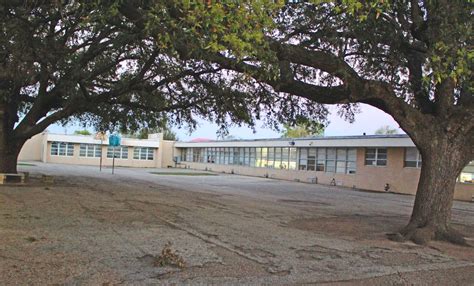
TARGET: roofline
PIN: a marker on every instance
(396, 140)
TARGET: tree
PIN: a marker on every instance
(168, 133)
(410, 59)
(86, 61)
(82, 132)
(303, 128)
(386, 130)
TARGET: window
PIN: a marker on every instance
(321, 160)
(196, 154)
(412, 158)
(331, 160)
(284, 158)
(252, 157)
(147, 153)
(311, 159)
(119, 152)
(277, 162)
(258, 158)
(303, 159)
(376, 156)
(264, 157)
(271, 157)
(62, 149)
(341, 160)
(467, 174)
(247, 156)
(351, 161)
(293, 157)
(90, 150)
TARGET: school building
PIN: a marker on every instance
(385, 163)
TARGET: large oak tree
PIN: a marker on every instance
(412, 59)
(62, 61)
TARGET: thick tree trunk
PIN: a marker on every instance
(9, 147)
(443, 160)
(8, 159)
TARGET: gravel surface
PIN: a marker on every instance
(92, 228)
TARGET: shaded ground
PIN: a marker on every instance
(96, 228)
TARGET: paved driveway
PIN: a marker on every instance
(93, 228)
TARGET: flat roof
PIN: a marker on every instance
(396, 140)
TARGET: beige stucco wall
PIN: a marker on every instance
(33, 149)
(401, 179)
(167, 153)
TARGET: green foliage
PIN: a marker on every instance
(386, 130)
(303, 128)
(82, 132)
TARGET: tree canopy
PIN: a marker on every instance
(302, 128)
(386, 130)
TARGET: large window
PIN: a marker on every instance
(321, 160)
(376, 156)
(62, 149)
(90, 150)
(147, 153)
(351, 161)
(293, 158)
(119, 152)
(333, 160)
(303, 164)
(467, 174)
(271, 157)
(412, 157)
(340, 160)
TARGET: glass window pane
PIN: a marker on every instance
(341, 154)
(341, 167)
(292, 159)
(320, 165)
(352, 154)
(351, 167)
(321, 153)
(331, 153)
(331, 166)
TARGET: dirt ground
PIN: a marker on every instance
(91, 228)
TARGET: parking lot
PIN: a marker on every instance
(92, 228)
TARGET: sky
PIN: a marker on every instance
(367, 121)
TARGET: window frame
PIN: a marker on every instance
(147, 153)
(376, 158)
(68, 147)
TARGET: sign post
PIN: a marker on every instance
(114, 141)
(102, 137)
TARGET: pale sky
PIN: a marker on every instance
(368, 120)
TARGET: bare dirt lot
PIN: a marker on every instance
(91, 228)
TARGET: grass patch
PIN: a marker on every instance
(25, 164)
(183, 174)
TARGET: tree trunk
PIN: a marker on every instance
(8, 159)
(9, 147)
(442, 163)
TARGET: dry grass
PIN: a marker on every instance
(169, 257)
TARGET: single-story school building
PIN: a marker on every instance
(371, 162)
(87, 150)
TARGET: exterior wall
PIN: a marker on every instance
(167, 153)
(33, 149)
(401, 179)
(106, 162)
